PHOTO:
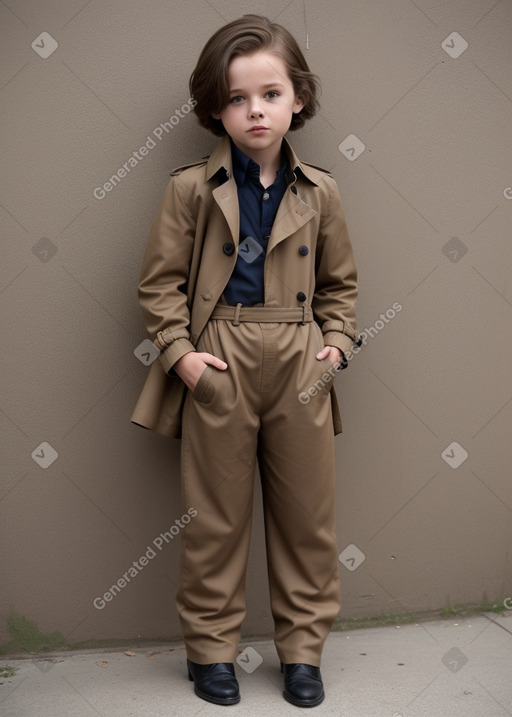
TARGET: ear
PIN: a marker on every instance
(298, 106)
(215, 116)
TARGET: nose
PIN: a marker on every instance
(255, 108)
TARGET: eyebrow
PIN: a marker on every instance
(263, 87)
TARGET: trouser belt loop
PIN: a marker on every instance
(236, 318)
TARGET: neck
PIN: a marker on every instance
(268, 159)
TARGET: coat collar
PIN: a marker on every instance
(293, 212)
(220, 159)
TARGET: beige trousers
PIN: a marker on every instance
(247, 413)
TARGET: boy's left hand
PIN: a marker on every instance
(334, 354)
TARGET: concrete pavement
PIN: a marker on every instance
(445, 668)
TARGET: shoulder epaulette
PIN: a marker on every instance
(181, 168)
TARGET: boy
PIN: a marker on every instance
(248, 287)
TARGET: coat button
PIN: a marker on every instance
(301, 296)
(303, 250)
(228, 248)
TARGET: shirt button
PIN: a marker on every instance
(228, 248)
(301, 296)
(266, 196)
(303, 250)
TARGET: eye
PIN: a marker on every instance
(236, 99)
(272, 94)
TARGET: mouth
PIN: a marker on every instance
(258, 129)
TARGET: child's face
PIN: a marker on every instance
(262, 101)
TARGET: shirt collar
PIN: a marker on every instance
(244, 166)
(220, 160)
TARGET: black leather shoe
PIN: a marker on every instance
(302, 684)
(215, 682)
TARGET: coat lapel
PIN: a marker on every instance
(292, 214)
(226, 198)
(225, 195)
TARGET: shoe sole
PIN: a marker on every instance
(217, 700)
(303, 703)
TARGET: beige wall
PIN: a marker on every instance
(436, 165)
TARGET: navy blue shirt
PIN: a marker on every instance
(258, 209)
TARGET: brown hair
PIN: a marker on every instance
(209, 82)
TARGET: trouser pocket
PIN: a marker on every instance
(204, 390)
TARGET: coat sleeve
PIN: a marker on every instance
(164, 275)
(336, 276)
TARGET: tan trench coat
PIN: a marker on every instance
(192, 250)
